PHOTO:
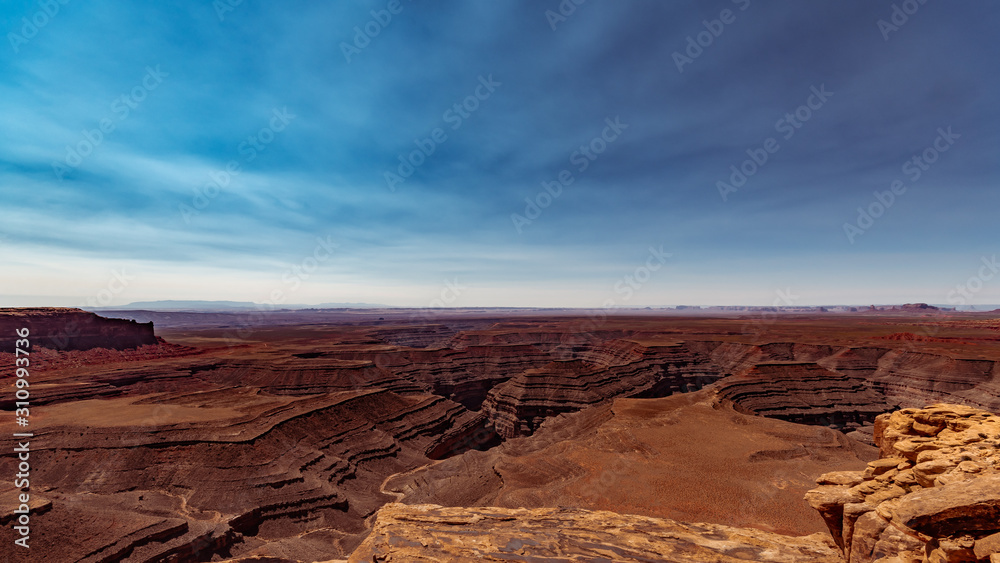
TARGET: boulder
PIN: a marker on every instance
(932, 497)
(427, 532)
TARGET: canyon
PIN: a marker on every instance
(73, 329)
(314, 435)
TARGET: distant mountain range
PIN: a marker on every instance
(216, 306)
(237, 306)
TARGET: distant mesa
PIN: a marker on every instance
(72, 329)
(910, 308)
(175, 305)
(282, 443)
(918, 307)
(226, 306)
(201, 306)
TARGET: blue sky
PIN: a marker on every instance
(310, 117)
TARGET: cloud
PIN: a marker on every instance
(220, 82)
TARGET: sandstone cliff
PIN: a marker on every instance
(595, 374)
(933, 496)
(282, 446)
(180, 477)
(684, 457)
(71, 329)
(415, 533)
(803, 392)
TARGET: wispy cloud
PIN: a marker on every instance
(219, 83)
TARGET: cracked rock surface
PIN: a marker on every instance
(934, 494)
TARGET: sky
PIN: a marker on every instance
(518, 153)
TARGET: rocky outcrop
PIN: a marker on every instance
(846, 386)
(420, 336)
(302, 374)
(903, 376)
(617, 369)
(933, 496)
(71, 329)
(233, 470)
(425, 532)
(685, 457)
(914, 379)
(803, 392)
(861, 362)
(280, 441)
(570, 333)
(464, 375)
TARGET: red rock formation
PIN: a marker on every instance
(934, 495)
(914, 379)
(428, 532)
(293, 374)
(805, 393)
(420, 336)
(685, 457)
(219, 471)
(72, 329)
(860, 362)
(619, 368)
(891, 377)
(280, 444)
(910, 337)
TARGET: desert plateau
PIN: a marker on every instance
(358, 435)
(532, 281)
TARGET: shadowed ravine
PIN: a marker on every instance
(286, 445)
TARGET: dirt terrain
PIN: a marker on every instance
(281, 434)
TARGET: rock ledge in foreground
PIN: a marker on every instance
(428, 532)
(933, 496)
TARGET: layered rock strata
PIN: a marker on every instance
(685, 457)
(196, 475)
(933, 496)
(71, 329)
(905, 377)
(803, 392)
(412, 533)
(281, 444)
(620, 368)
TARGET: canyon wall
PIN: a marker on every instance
(191, 475)
(286, 446)
(932, 496)
(434, 533)
(72, 329)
